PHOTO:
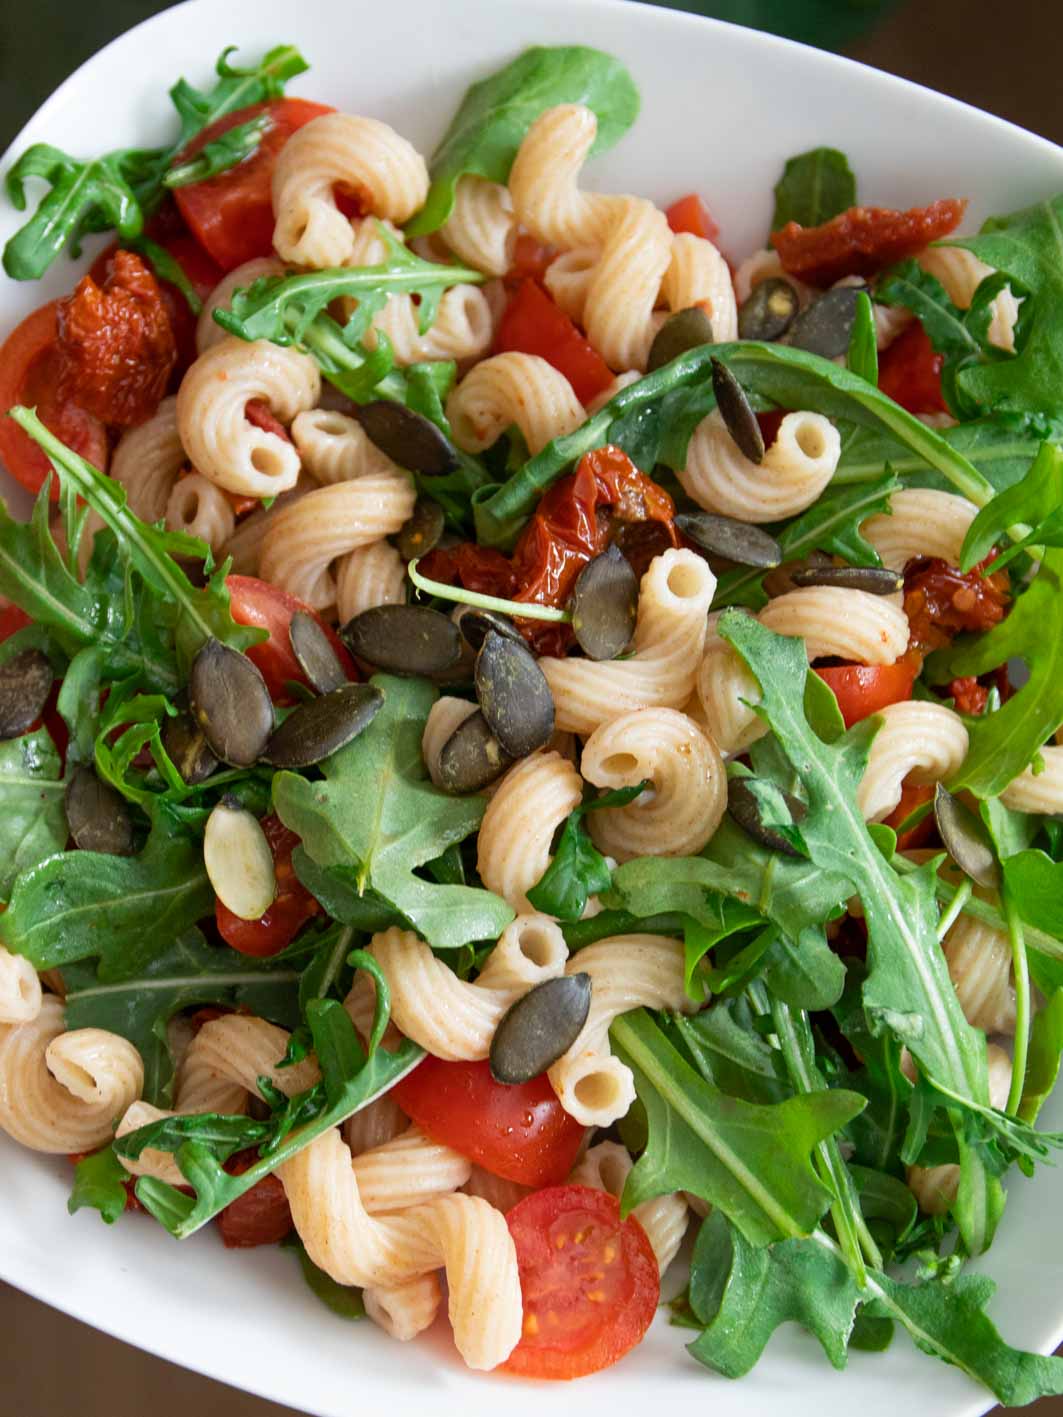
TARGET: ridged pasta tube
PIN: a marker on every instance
(359, 155)
(627, 972)
(510, 390)
(445, 717)
(481, 229)
(63, 1092)
(688, 785)
(408, 1170)
(793, 473)
(496, 1190)
(925, 741)
(517, 831)
(936, 1187)
(625, 284)
(335, 448)
(208, 331)
(147, 459)
(200, 508)
(544, 180)
(404, 1310)
(606, 1167)
(212, 419)
(245, 544)
(568, 279)
(920, 522)
(979, 960)
(369, 576)
(302, 542)
(20, 989)
(961, 273)
(674, 600)
(1038, 792)
(698, 275)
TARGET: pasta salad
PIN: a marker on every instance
(512, 743)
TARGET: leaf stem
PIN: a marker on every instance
(1021, 972)
(982, 910)
(519, 610)
(954, 907)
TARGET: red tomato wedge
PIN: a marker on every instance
(532, 324)
(863, 689)
(913, 795)
(292, 906)
(910, 372)
(255, 602)
(690, 214)
(589, 1282)
(231, 215)
(521, 1132)
(261, 1216)
(30, 371)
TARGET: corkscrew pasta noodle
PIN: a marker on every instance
(606, 1167)
(920, 522)
(482, 229)
(208, 331)
(20, 989)
(147, 460)
(795, 469)
(530, 803)
(369, 576)
(510, 390)
(924, 741)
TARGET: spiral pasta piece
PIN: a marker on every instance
(979, 960)
(208, 331)
(936, 1187)
(961, 273)
(212, 420)
(496, 1190)
(404, 1310)
(482, 229)
(624, 286)
(568, 279)
(244, 547)
(698, 275)
(369, 576)
(920, 522)
(408, 1170)
(147, 459)
(198, 507)
(20, 989)
(670, 630)
(544, 180)
(793, 473)
(512, 389)
(445, 717)
(517, 831)
(688, 785)
(335, 448)
(606, 1167)
(927, 742)
(1038, 792)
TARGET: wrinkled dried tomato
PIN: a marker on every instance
(942, 602)
(116, 343)
(968, 695)
(862, 240)
(261, 1216)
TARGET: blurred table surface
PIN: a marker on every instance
(957, 46)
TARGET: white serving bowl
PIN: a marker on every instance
(722, 108)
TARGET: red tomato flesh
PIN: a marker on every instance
(690, 214)
(292, 906)
(913, 796)
(532, 324)
(255, 602)
(589, 1282)
(231, 215)
(910, 372)
(864, 689)
(261, 1216)
(862, 240)
(521, 1132)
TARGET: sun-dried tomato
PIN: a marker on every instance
(116, 343)
(259, 414)
(942, 602)
(968, 695)
(863, 240)
(261, 1216)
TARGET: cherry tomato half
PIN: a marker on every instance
(292, 906)
(690, 214)
(910, 372)
(864, 689)
(589, 1282)
(520, 1132)
(532, 324)
(913, 796)
(255, 602)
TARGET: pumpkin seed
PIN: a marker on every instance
(745, 811)
(25, 682)
(231, 704)
(472, 757)
(97, 815)
(474, 624)
(404, 639)
(238, 860)
(825, 326)
(317, 729)
(313, 649)
(737, 413)
(875, 580)
(769, 310)
(514, 695)
(408, 438)
(540, 1028)
(965, 839)
(604, 605)
(686, 329)
(734, 541)
(187, 746)
(422, 531)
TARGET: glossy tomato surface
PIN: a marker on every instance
(864, 689)
(255, 602)
(533, 324)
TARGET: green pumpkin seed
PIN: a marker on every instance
(404, 639)
(733, 540)
(965, 839)
(315, 652)
(238, 860)
(874, 580)
(408, 438)
(97, 815)
(604, 604)
(475, 623)
(187, 746)
(540, 1028)
(736, 412)
(25, 682)
(826, 325)
(231, 704)
(686, 329)
(769, 310)
(514, 695)
(316, 730)
(421, 533)
(472, 757)
(745, 810)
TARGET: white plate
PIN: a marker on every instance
(723, 107)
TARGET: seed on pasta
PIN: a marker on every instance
(187, 746)
(230, 703)
(25, 682)
(737, 413)
(747, 812)
(825, 327)
(965, 839)
(514, 696)
(313, 649)
(238, 860)
(769, 310)
(686, 329)
(408, 438)
(472, 757)
(404, 639)
(475, 623)
(316, 730)
(733, 540)
(540, 1028)
(97, 815)
(604, 605)
(874, 580)
(422, 531)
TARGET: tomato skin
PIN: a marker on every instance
(292, 906)
(690, 214)
(255, 602)
(589, 1282)
(864, 689)
(910, 372)
(530, 258)
(261, 1216)
(231, 215)
(941, 601)
(521, 1132)
(533, 324)
(862, 240)
(913, 795)
(30, 373)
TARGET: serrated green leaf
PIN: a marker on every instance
(1036, 501)
(99, 1184)
(814, 187)
(33, 822)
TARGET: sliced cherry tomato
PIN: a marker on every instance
(292, 906)
(532, 324)
(261, 1216)
(690, 214)
(910, 372)
(942, 601)
(231, 215)
(913, 796)
(255, 602)
(30, 371)
(530, 258)
(588, 1279)
(862, 240)
(770, 421)
(864, 689)
(12, 619)
(522, 1132)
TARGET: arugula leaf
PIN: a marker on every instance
(377, 817)
(580, 933)
(862, 355)
(751, 1161)
(495, 114)
(724, 1046)
(804, 973)
(578, 869)
(1042, 1064)
(1036, 501)
(138, 1002)
(168, 268)
(228, 149)
(877, 1133)
(814, 187)
(99, 1184)
(33, 822)
(1035, 883)
(344, 1300)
